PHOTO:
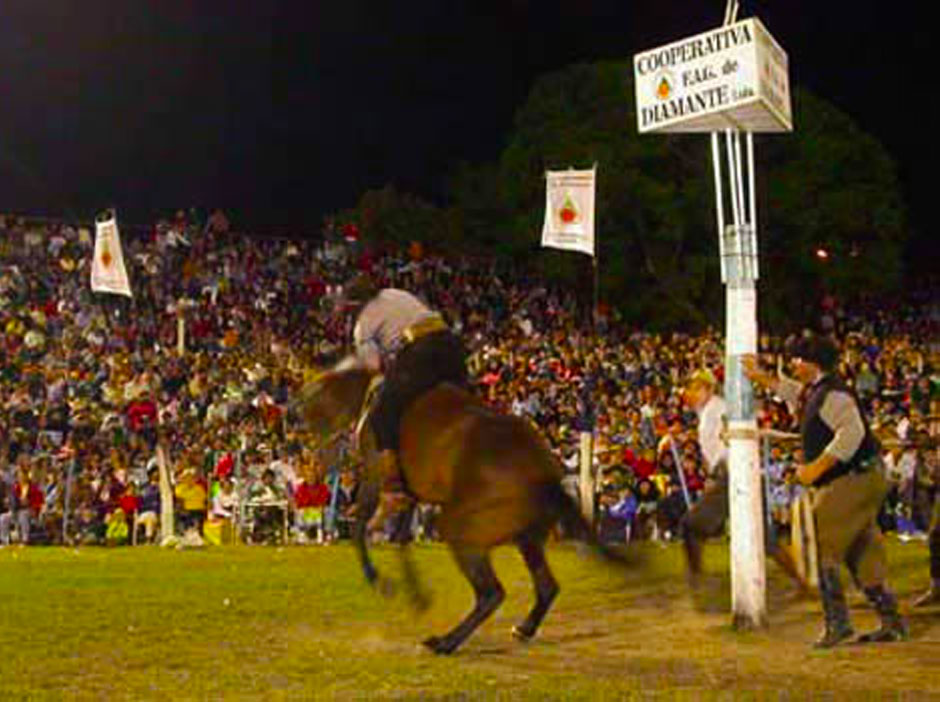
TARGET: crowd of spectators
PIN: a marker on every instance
(91, 384)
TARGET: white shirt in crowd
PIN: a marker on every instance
(710, 424)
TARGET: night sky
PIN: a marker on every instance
(285, 111)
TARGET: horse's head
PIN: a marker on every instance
(334, 399)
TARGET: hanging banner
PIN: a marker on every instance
(108, 273)
(569, 210)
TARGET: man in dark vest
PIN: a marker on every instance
(844, 471)
(932, 595)
(413, 347)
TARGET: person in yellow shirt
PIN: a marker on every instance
(192, 496)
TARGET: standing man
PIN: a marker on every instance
(707, 516)
(398, 335)
(844, 471)
(932, 595)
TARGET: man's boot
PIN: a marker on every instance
(693, 552)
(394, 498)
(930, 597)
(893, 627)
(836, 611)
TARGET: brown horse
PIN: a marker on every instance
(493, 476)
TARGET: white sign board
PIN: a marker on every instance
(569, 211)
(733, 77)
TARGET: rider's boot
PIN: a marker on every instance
(394, 499)
(693, 553)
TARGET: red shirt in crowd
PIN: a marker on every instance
(225, 466)
(311, 495)
(129, 503)
(28, 495)
(140, 412)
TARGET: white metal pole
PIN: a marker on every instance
(748, 596)
(586, 483)
(167, 525)
(180, 331)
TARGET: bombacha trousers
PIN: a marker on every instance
(934, 538)
(845, 511)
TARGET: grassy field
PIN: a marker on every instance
(273, 623)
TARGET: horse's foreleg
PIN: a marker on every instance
(475, 565)
(366, 502)
(532, 547)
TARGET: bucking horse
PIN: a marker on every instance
(493, 476)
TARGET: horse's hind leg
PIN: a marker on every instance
(475, 565)
(532, 547)
(420, 600)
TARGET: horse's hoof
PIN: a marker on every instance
(438, 645)
(386, 587)
(519, 635)
(421, 603)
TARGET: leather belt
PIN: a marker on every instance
(428, 325)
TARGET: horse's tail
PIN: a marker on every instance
(573, 522)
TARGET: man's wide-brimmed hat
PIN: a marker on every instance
(815, 348)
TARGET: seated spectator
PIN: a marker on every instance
(670, 510)
(6, 511)
(26, 504)
(647, 496)
(148, 514)
(129, 503)
(219, 529)
(191, 494)
(311, 498)
(618, 511)
(116, 528)
(89, 524)
(225, 500)
(53, 506)
(267, 502)
(346, 503)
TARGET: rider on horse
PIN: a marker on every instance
(413, 347)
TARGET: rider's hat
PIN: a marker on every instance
(360, 289)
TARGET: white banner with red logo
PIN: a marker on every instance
(108, 273)
(569, 210)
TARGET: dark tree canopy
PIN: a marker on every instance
(826, 186)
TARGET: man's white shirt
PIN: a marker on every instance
(710, 424)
